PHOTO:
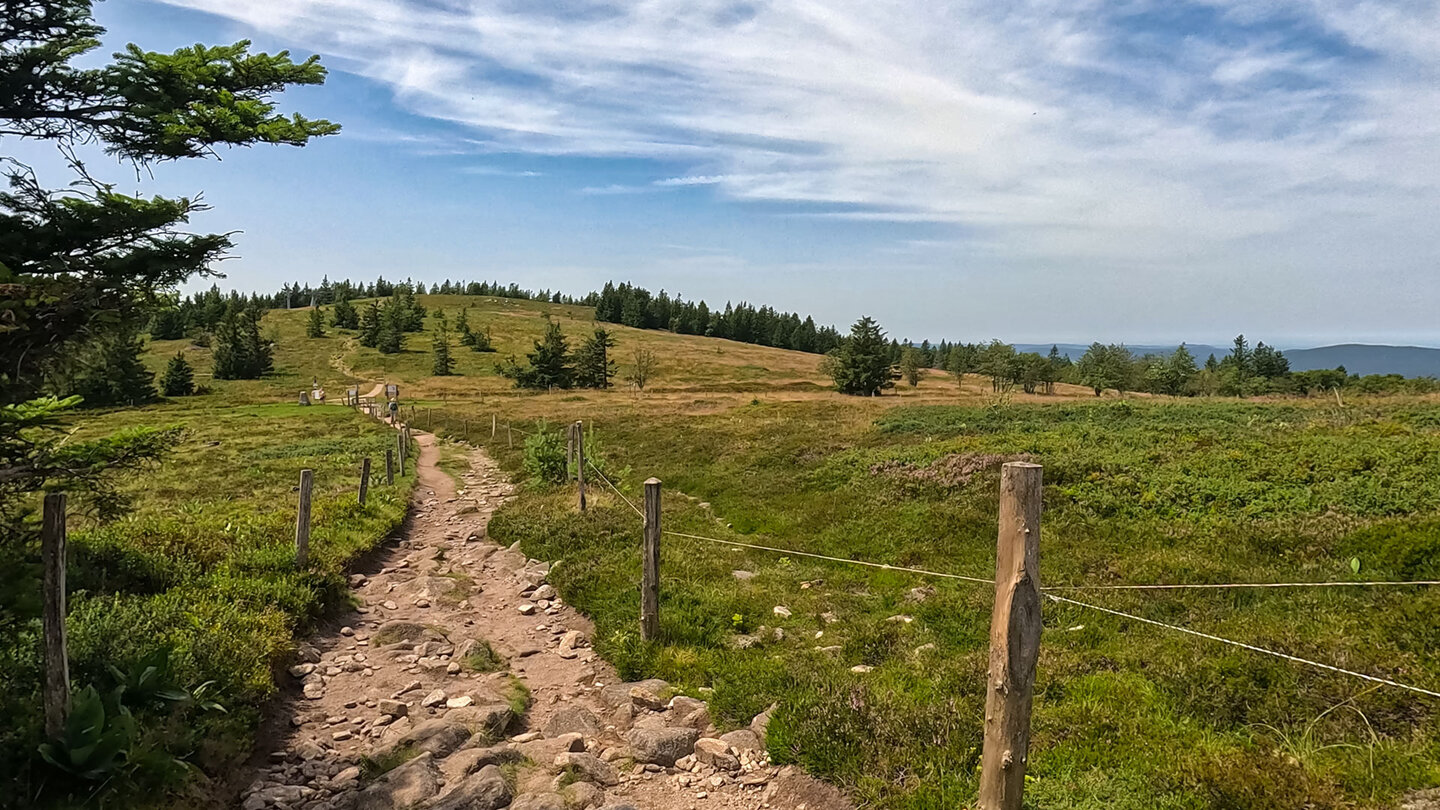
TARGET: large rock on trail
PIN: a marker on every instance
(662, 746)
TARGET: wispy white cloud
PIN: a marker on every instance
(496, 171)
(1279, 135)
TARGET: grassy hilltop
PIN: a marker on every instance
(753, 446)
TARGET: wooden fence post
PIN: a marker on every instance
(302, 520)
(465, 429)
(390, 466)
(579, 431)
(509, 436)
(57, 664)
(400, 453)
(364, 478)
(650, 561)
(494, 423)
(1014, 639)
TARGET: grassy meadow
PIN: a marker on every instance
(203, 564)
(751, 446)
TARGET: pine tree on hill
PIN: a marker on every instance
(549, 363)
(110, 371)
(315, 324)
(370, 326)
(239, 353)
(440, 345)
(861, 365)
(179, 379)
(462, 328)
(593, 366)
(344, 316)
(910, 361)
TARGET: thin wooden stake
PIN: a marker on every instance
(650, 561)
(1014, 639)
(389, 466)
(57, 664)
(509, 436)
(579, 431)
(494, 423)
(400, 453)
(302, 520)
(364, 478)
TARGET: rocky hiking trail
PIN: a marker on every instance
(393, 705)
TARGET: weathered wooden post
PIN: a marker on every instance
(389, 466)
(650, 561)
(364, 478)
(1014, 639)
(509, 436)
(302, 520)
(465, 429)
(494, 423)
(579, 431)
(57, 663)
(400, 451)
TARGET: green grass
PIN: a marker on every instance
(204, 564)
(1125, 715)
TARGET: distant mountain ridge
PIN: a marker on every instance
(1357, 358)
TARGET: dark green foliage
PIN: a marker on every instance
(315, 324)
(861, 365)
(593, 366)
(167, 323)
(1104, 367)
(238, 350)
(80, 263)
(109, 371)
(910, 364)
(545, 456)
(635, 306)
(179, 379)
(344, 316)
(370, 325)
(549, 364)
(96, 740)
(440, 346)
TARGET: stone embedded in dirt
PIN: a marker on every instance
(920, 594)
(491, 720)
(755, 778)
(582, 796)
(409, 687)
(744, 642)
(486, 789)
(408, 785)
(742, 740)
(342, 736)
(356, 580)
(761, 722)
(716, 753)
(433, 699)
(544, 592)
(570, 644)
(314, 690)
(459, 702)
(438, 737)
(573, 720)
(588, 767)
(901, 619)
(422, 602)
(344, 778)
(645, 697)
(526, 609)
(546, 750)
(466, 761)
(625, 806)
(347, 631)
(662, 746)
(617, 695)
(861, 669)
(308, 654)
(829, 617)
(389, 605)
(538, 801)
(526, 737)
(781, 611)
(301, 670)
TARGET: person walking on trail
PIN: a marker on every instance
(394, 408)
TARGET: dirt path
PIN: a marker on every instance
(397, 708)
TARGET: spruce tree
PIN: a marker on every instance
(482, 341)
(444, 366)
(344, 316)
(593, 366)
(861, 364)
(239, 352)
(370, 325)
(549, 363)
(462, 328)
(110, 371)
(910, 360)
(315, 325)
(179, 379)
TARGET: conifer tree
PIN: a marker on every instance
(440, 345)
(910, 360)
(370, 326)
(315, 324)
(593, 366)
(239, 353)
(549, 363)
(482, 341)
(861, 364)
(179, 379)
(109, 371)
(344, 316)
(462, 328)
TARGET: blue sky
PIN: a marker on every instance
(1047, 170)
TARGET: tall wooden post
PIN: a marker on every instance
(465, 430)
(650, 561)
(579, 431)
(364, 478)
(57, 664)
(302, 520)
(400, 451)
(389, 466)
(509, 436)
(494, 423)
(1014, 639)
